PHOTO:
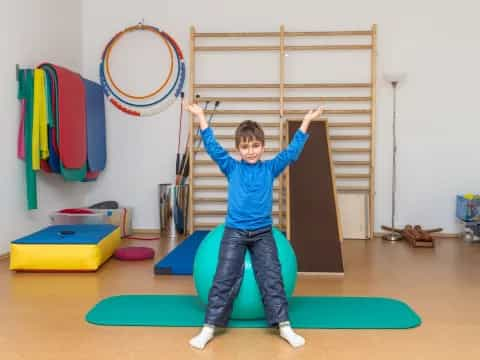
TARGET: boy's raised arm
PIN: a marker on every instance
(293, 150)
(218, 154)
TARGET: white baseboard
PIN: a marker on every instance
(145, 231)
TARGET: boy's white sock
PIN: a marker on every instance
(288, 334)
(206, 334)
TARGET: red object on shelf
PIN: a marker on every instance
(76, 211)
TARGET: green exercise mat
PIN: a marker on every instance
(305, 312)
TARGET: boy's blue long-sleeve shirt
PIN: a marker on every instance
(250, 186)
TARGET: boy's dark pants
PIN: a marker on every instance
(228, 277)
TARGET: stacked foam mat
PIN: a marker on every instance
(65, 248)
(62, 127)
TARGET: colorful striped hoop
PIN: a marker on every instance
(144, 105)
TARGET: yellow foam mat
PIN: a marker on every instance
(63, 257)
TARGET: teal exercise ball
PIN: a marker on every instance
(248, 304)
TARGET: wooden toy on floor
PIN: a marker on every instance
(415, 235)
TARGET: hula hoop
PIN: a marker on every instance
(111, 45)
(139, 109)
(180, 75)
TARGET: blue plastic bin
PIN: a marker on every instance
(468, 210)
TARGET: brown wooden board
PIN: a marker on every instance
(314, 223)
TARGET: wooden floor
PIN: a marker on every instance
(42, 314)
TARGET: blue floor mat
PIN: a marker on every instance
(180, 260)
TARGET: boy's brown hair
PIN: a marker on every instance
(249, 130)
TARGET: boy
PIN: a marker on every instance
(248, 225)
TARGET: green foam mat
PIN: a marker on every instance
(306, 312)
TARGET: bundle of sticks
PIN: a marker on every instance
(415, 235)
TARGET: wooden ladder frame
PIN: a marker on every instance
(281, 190)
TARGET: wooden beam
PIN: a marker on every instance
(191, 80)
(236, 34)
(218, 187)
(275, 137)
(348, 124)
(211, 225)
(199, 175)
(287, 112)
(219, 212)
(206, 162)
(349, 137)
(351, 163)
(276, 85)
(328, 33)
(339, 124)
(274, 99)
(267, 150)
(217, 200)
(228, 124)
(352, 176)
(373, 116)
(327, 47)
(287, 34)
(351, 150)
(282, 113)
(232, 137)
(287, 48)
(352, 189)
(237, 48)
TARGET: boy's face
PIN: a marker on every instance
(251, 151)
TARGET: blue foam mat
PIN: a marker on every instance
(180, 260)
(85, 234)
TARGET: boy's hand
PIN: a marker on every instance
(311, 115)
(198, 112)
(193, 108)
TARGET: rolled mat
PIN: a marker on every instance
(69, 112)
(95, 112)
(306, 312)
(53, 159)
(72, 118)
